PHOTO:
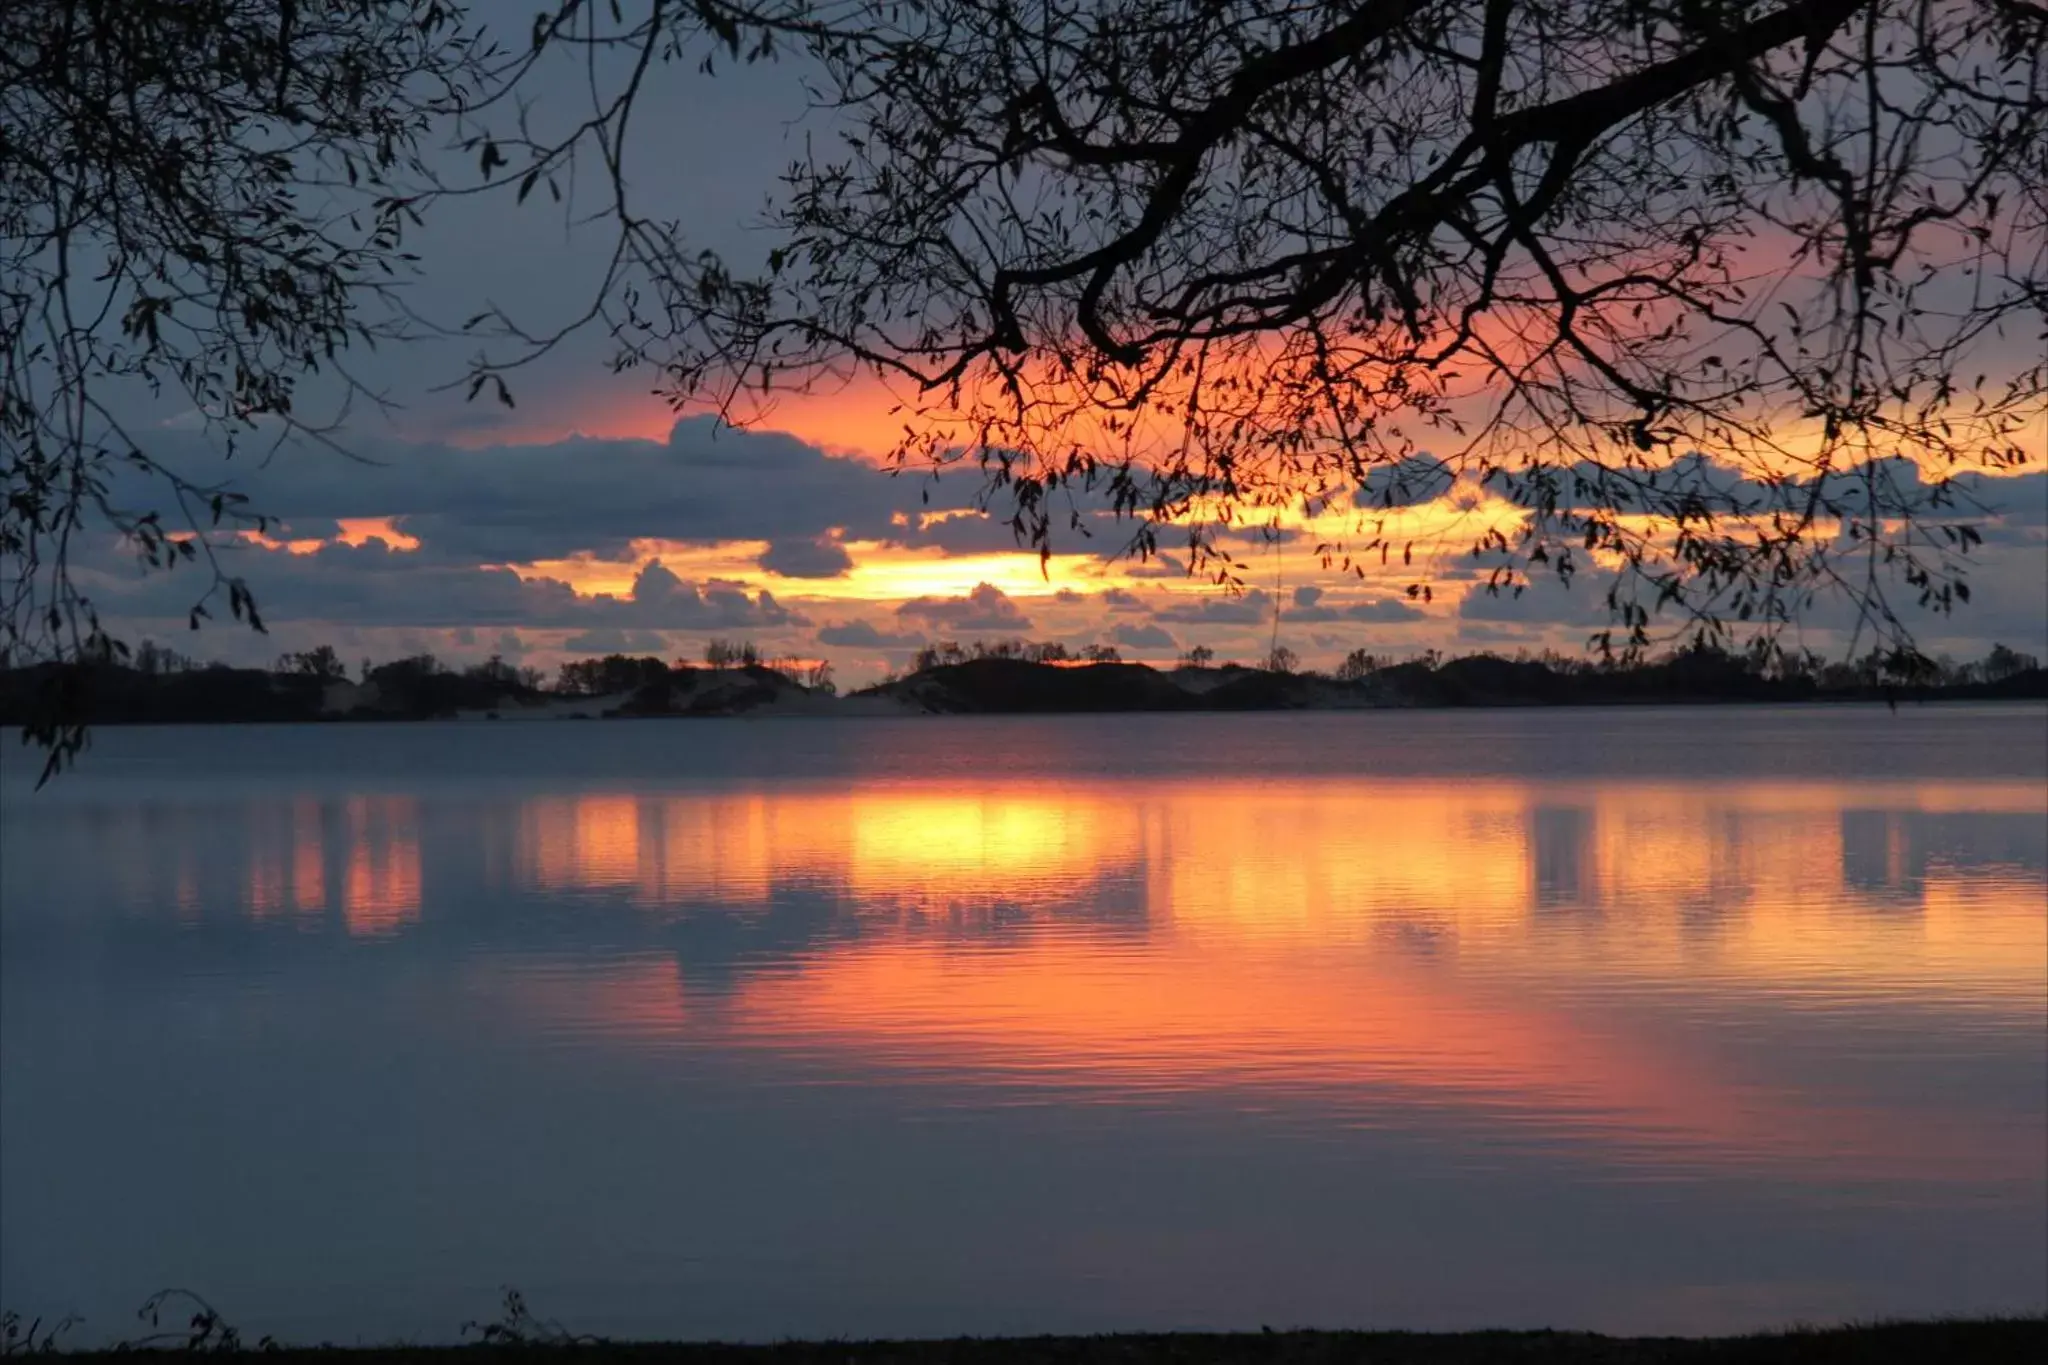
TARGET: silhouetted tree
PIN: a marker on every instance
(940, 653)
(493, 672)
(1280, 659)
(1216, 256)
(200, 199)
(612, 674)
(937, 654)
(410, 667)
(731, 654)
(415, 685)
(1359, 665)
(153, 659)
(1207, 257)
(812, 674)
(2004, 662)
(1201, 656)
(319, 662)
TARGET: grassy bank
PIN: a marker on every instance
(1922, 1343)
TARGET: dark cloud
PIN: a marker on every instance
(1379, 610)
(861, 635)
(1891, 481)
(307, 528)
(816, 557)
(657, 586)
(1405, 483)
(1382, 609)
(987, 608)
(1311, 616)
(1544, 601)
(1159, 566)
(1480, 633)
(1311, 605)
(704, 483)
(610, 641)
(974, 533)
(509, 646)
(1143, 635)
(662, 600)
(2008, 600)
(2008, 603)
(473, 509)
(1585, 485)
(1375, 610)
(2018, 505)
(517, 504)
(1220, 610)
(1882, 482)
(375, 585)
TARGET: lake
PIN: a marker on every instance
(1687, 1020)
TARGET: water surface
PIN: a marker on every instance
(1640, 1020)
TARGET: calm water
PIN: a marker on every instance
(1642, 1020)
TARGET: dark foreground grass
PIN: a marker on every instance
(1920, 1343)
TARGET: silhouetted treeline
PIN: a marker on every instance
(157, 685)
(993, 680)
(175, 691)
(161, 686)
(943, 652)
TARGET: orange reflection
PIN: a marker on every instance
(1392, 1035)
(309, 859)
(1471, 945)
(1524, 957)
(381, 889)
(1315, 865)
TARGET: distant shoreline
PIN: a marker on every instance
(855, 714)
(115, 695)
(1991, 1340)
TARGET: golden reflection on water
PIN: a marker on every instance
(309, 860)
(1522, 951)
(1799, 880)
(1811, 880)
(1774, 881)
(381, 887)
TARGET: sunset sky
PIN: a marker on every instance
(591, 519)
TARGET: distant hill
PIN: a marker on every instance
(1018, 685)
